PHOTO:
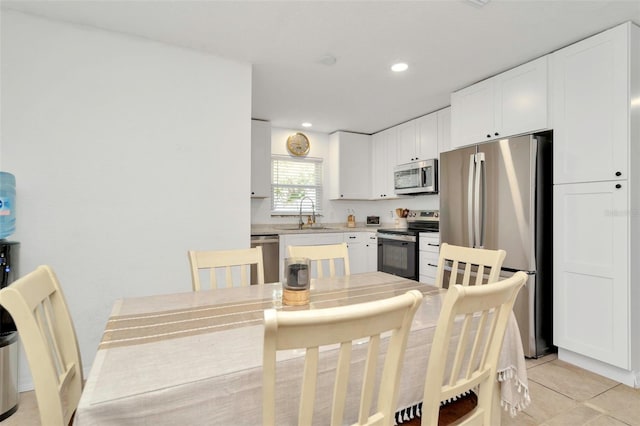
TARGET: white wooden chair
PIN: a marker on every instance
(341, 325)
(477, 264)
(213, 260)
(38, 308)
(323, 255)
(486, 310)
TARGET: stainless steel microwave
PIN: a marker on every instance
(419, 177)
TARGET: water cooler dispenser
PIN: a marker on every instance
(9, 252)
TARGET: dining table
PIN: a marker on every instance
(195, 358)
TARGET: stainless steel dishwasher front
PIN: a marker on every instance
(270, 256)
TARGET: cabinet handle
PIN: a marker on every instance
(352, 237)
(618, 173)
(341, 195)
(253, 193)
(433, 245)
(618, 186)
(497, 134)
(488, 135)
(431, 264)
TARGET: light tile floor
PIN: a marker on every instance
(565, 395)
(561, 395)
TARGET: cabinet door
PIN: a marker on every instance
(371, 245)
(406, 142)
(472, 113)
(590, 279)
(427, 142)
(357, 251)
(521, 99)
(384, 160)
(444, 130)
(260, 159)
(390, 164)
(590, 109)
(350, 155)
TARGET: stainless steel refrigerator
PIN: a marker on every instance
(499, 195)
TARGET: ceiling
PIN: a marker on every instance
(447, 44)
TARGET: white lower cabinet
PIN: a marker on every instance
(363, 251)
(591, 285)
(429, 252)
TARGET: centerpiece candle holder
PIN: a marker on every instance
(297, 272)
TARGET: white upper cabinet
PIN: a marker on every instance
(427, 137)
(260, 159)
(384, 157)
(591, 108)
(444, 130)
(508, 104)
(418, 139)
(407, 146)
(350, 160)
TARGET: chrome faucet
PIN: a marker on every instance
(313, 211)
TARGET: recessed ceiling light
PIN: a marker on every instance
(399, 67)
(306, 124)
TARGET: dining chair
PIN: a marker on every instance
(215, 260)
(342, 325)
(323, 255)
(39, 310)
(477, 339)
(481, 266)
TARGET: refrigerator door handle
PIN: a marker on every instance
(472, 164)
(481, 211)
(477, 214)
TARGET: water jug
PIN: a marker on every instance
(7, 204)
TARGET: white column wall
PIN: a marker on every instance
(127, 153)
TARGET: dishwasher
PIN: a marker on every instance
(270, 257)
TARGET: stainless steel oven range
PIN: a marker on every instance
(398, 248)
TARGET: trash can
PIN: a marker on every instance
(8, 373)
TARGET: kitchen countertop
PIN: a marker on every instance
(282, 229)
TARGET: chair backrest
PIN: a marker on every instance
(39, 310)
(323, 254)
(485, 310)
(229, 260)
(341, 325)
(481, 266)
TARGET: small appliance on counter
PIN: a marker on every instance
(373, 220)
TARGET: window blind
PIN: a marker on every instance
(292, 179)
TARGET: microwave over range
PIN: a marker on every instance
(419, 177)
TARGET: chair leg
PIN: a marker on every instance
(496, 408)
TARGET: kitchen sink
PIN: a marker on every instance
(305, 228)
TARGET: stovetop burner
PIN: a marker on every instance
(418, 221)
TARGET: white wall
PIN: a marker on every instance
(334, 211)
(124, 151)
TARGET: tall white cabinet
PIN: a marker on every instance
(596, 116)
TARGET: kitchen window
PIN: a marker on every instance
(292, 179)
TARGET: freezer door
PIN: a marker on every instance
(534, 315)
(508, 194)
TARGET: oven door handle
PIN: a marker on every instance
(394, 237)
